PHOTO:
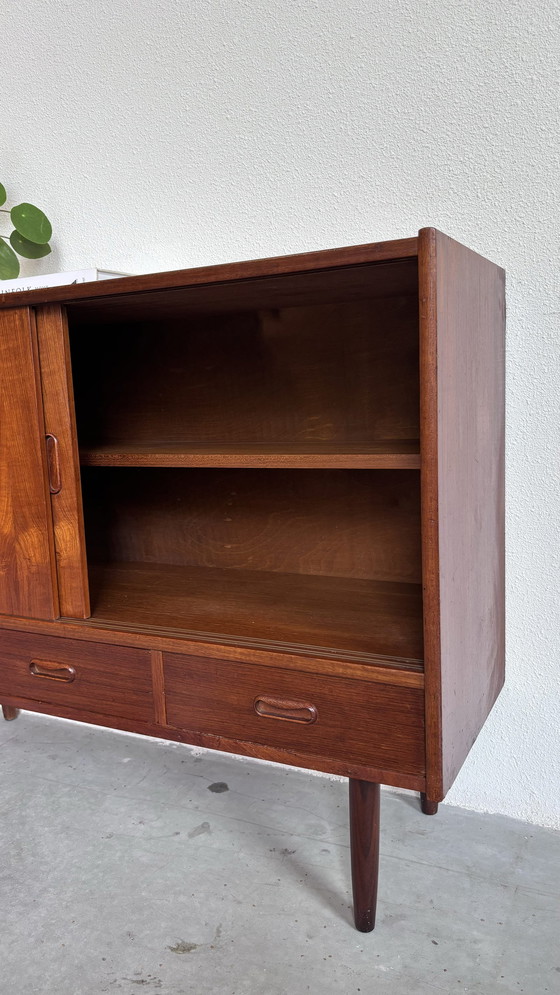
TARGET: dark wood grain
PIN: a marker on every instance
(27, 563)
(377, 669)
(66, 502)
(327, 375)
(462, 314)
(370, 724)
(377, 280)
(364, 798)
(362, 524)
(114, 680)
(384, 454)
(255, 269)
(331, 614)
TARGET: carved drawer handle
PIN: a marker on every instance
(52, 671)
(53, 464)
(288, 711)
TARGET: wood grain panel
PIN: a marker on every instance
(334, 615)
(113, 680)
(384, 670)
(384, 454)
(27, 562)
(327, 375)
(462, 314)
(60, 421)
(309, 288)
(359, 723)
(348, 523)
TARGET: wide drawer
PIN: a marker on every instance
(109, 680)
(354, 721)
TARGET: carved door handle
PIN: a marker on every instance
(288, 711)
(52, 671)
(53, 464)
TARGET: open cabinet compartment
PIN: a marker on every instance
(250, 460)
(302, 373)
(324, 560)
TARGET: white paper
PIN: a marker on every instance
(56, 280)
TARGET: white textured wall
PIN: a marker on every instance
(166, 134)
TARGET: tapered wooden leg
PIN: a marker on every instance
(9, 712)
(364, 848)
(428, 807)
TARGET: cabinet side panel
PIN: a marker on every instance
(60, 421)
(468, 320)
(429, 507)
(27, 573)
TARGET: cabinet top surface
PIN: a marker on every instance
(354, 255)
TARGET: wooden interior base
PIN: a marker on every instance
(330, 613)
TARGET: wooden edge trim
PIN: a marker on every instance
(351, 255)
(285, 460)
(158, 687)
(397, 779)
(427, 290)
(55, 591)
(399, 675)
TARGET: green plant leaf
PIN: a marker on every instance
(3, 195)
(30, 222)
(9, 262)
(26, 248)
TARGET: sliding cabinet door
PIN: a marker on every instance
(63, 458)
(28, 584)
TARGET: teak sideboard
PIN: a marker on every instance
(259, 508)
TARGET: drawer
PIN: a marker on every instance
(109, 680)
(339, 718)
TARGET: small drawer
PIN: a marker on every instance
(109, 680)
(348, 720)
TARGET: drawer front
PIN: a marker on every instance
(109, 680)
(348, 720)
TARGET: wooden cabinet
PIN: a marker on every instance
(259, 508)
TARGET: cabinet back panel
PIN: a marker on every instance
(339, 523)
(342, 372)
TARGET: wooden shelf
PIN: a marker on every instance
(341, 616)
(385, 454)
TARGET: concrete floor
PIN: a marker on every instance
(130, 866)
